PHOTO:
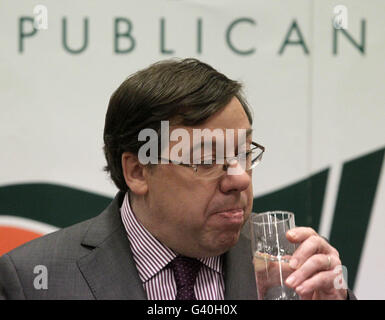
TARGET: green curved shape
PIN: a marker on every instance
(56, 205)
(353, 210)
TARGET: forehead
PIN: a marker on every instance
(232, 117)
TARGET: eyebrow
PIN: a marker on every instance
(249, 132)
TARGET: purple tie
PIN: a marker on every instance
(185, 272)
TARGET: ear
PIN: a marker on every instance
(133, 172)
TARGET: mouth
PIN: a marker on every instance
(233, 216)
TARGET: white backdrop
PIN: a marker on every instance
(314, 109)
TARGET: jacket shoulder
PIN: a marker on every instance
(55, 256)
(63, 243)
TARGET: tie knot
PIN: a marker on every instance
(185, 272)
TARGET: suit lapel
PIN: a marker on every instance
(240, 282)
(109, 268)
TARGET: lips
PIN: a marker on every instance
(232, 215)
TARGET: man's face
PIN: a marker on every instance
(195, 216)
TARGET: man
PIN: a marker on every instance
(174, 229)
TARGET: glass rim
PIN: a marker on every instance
(289, 215)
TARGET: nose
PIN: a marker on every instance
(236, 179)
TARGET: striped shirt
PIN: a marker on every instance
(152, 257)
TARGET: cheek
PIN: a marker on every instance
(250, 197)
(199, 195)
(250, 202)
(184, 208)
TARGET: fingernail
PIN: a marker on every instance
(293, 263)
(290, 280)
(291, 234)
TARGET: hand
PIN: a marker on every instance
(313, 261)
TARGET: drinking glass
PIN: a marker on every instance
(271, 254)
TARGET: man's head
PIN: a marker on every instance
(191, 215)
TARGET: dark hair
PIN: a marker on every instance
(186, 92)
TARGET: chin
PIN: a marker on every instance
(226, 242)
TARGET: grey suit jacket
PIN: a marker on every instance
(93, 260)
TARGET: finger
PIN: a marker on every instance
(311, 246)
(315, 264)
(300, 234)
(322, 283)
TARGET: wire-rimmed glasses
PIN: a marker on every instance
(215, 168)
